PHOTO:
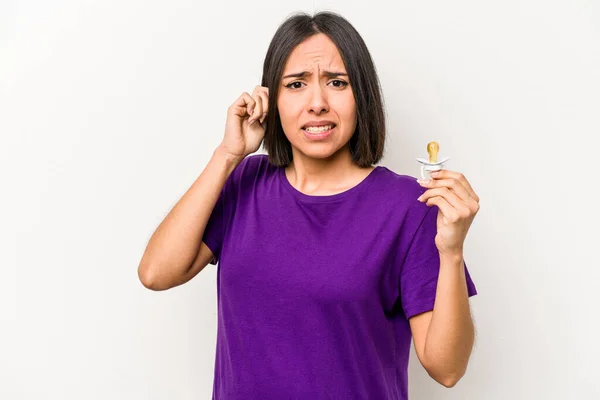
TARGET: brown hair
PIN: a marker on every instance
(368, 141)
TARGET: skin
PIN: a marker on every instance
(319, 167)
(443, 337)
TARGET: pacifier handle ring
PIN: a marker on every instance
(423, 171)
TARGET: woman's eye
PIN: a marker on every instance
(289, 85)
(341, 83)
(298, 85)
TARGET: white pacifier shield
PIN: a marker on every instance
(427, 166)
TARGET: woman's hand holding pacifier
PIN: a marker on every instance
(458, 204)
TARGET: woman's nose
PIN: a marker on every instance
(318, 100)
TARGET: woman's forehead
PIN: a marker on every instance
(316, 53)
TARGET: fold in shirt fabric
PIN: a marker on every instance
(315, 292)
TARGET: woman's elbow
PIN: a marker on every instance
(147, 277)
(144, 276)
(449, 382)
(446, 379)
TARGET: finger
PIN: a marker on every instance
(263, 92)
(256, 113)
(242, 105)
(257, 107)
(449, 196)
(265, 104)
(466, 208)
(451, 184)
(445, 173)
(446, 208)
(262, 88)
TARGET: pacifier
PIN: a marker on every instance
(433, 164)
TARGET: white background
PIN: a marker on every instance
(109, 110)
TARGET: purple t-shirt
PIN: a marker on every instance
(315, 292)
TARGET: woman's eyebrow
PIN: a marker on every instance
(328, 74)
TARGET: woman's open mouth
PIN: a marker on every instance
(318, 132)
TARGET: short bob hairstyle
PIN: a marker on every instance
(368, 141)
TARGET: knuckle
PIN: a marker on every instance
(259, 90)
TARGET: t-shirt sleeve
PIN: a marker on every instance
(420, 271)
(224, 209)
(214, 231)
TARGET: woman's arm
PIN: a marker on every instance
(175, 244)
(444, 337)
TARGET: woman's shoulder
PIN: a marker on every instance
(252, 161)
(249, 169)
(398, 182)
(400, 192)
(251, 165)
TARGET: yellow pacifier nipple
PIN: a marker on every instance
(433, 164)
(433, 149)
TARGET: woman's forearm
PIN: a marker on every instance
(451, 332)
(174, 245)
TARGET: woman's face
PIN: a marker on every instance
(318, 94)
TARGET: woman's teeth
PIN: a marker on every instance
(318, 129)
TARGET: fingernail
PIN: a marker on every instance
(423, 182)
(434, 173)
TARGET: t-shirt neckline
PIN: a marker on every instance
(359, 187)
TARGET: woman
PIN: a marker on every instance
(328, 265)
